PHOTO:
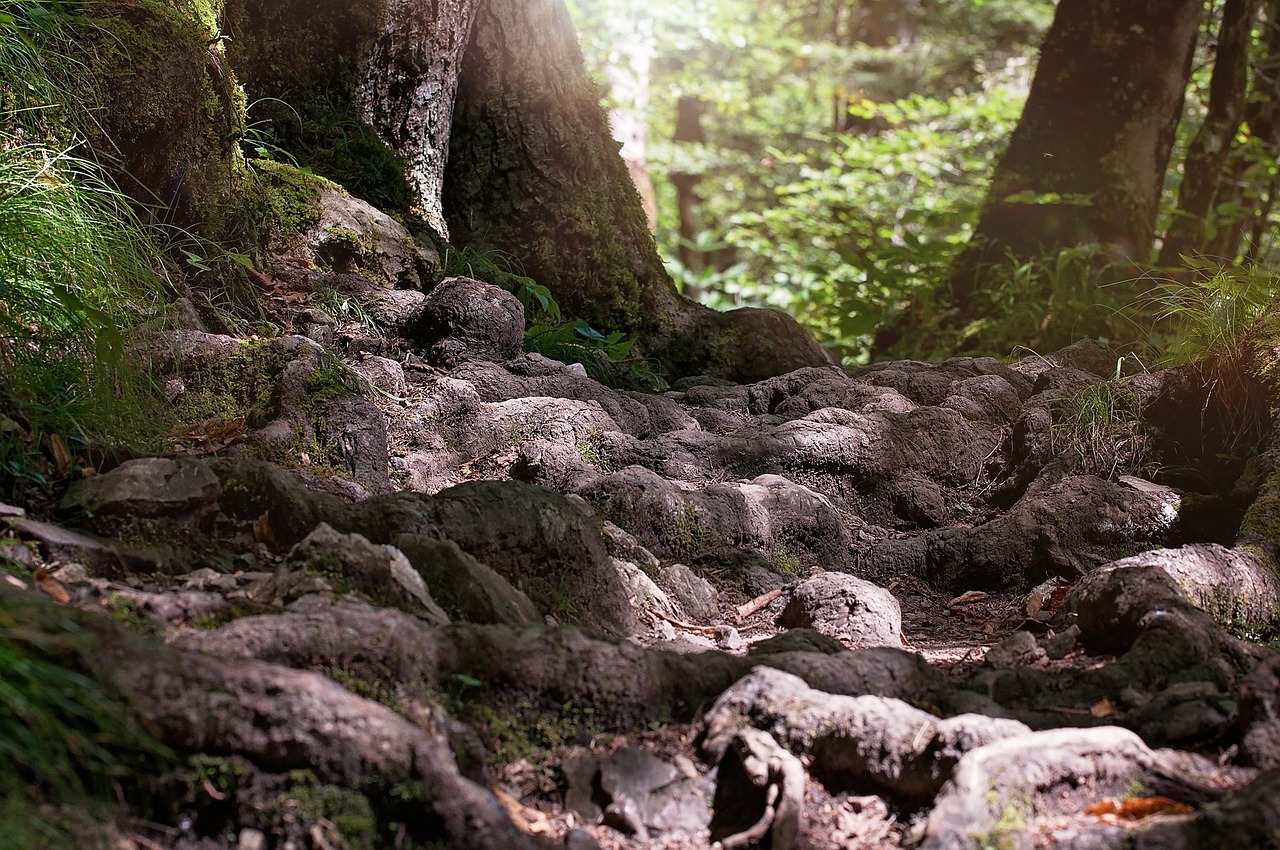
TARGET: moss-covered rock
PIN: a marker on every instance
(171, 112)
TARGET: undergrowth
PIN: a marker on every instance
(606, 357)
(66, 738)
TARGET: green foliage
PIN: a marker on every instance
(607, 357)
(64, 734)
(1101, 425)
(1221, 320)
(860, 223)
(76, 273)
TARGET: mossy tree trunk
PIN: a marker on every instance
(534, 171)
(1088, 158)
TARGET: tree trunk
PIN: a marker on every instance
(1249, 185)
(1203, 168)
(689, 130)
(534, 172)
(407, 85)
(1088, 158)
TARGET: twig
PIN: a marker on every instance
(748, 608)
(706, 630)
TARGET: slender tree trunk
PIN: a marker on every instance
(1203, 167)
(628, 79)
(688, 131)
(1248, 186)
(406, 90)
(1088, 158)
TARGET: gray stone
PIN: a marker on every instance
(691, 592)
(353, 235)
(466, 588)
(382, 373)
(149, 487)
(849, 609)
(63, 545)
(381, 572)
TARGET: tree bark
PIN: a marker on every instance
(407, 85)
(1088, 158)
(534, 172)
(1248, 188)
(1203, 167)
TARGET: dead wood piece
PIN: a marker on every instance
(746, 609)
(757, 775)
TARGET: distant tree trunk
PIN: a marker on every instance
(688, 131)
(1088, 158)
(628, 79)
(406, 90)
(1249, 186)
(1203, 167)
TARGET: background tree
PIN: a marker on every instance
(1087, 161)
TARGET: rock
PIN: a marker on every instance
(467, 589)
(381, 373)
(728, 639)
(541, 543)
(1233, 585)
(580, 839)
(863, 741)
(63, 545)
(695, 595)
(634, 792)
(1008, 779)
(381, 572)
(798, 640)
(470, 319)
(148, 487)
(355, 432)
(1017, 650)
(849, 609)
(353, 235)
(644, 594)
(1064, 529)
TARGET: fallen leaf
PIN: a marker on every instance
(967, 597)
(262, 531)
(61, 454)
(1136, 808)
(16, 582)
(51, 587)
(1103, 708)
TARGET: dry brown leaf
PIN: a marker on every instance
(50, 586)
(967, 597)
(62, 457)
(1136, 809)
(1103, 708)
(262, 531)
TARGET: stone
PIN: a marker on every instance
(691, 592)
(379, 571)
(64, 545)
(467, 589)
(146, 487)
(469, 319)
(849, 609)
(382, 373)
